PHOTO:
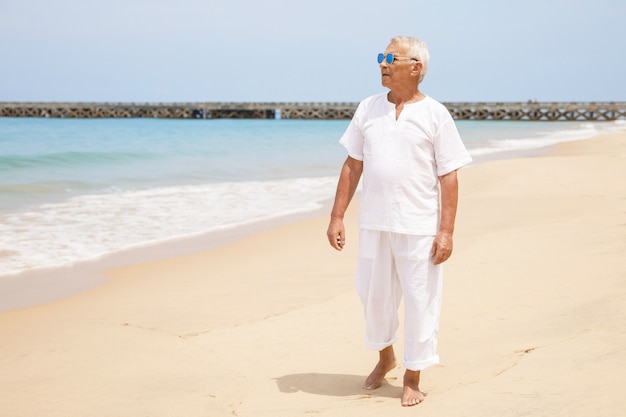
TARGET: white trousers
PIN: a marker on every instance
(390, 266)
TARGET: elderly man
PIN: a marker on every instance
(408, 150)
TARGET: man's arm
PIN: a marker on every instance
(348, 180)
(442, 246)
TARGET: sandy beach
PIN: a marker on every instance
(533, 320)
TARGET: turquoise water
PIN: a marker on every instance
(77, 189)
(49, 159)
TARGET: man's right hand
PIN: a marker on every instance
(336, 234)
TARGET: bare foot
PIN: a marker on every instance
(411, 394)
(386, 363)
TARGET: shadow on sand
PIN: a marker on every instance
(337, 385)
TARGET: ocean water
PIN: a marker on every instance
(78, 189)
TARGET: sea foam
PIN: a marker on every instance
(89, 226)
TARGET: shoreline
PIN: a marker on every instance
(270, 324)
(43, 285)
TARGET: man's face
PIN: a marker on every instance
(398, 73)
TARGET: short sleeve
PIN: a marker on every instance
(352, 138)
(450, 152)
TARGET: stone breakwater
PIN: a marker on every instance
(549, 111)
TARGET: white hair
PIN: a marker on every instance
(418, 50)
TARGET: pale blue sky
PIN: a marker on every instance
(321, 50)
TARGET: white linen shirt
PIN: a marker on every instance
(402, 160)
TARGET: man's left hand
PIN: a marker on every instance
(442, 248)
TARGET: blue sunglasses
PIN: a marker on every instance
(390, 58)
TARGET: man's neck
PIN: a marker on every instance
(400, 98)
